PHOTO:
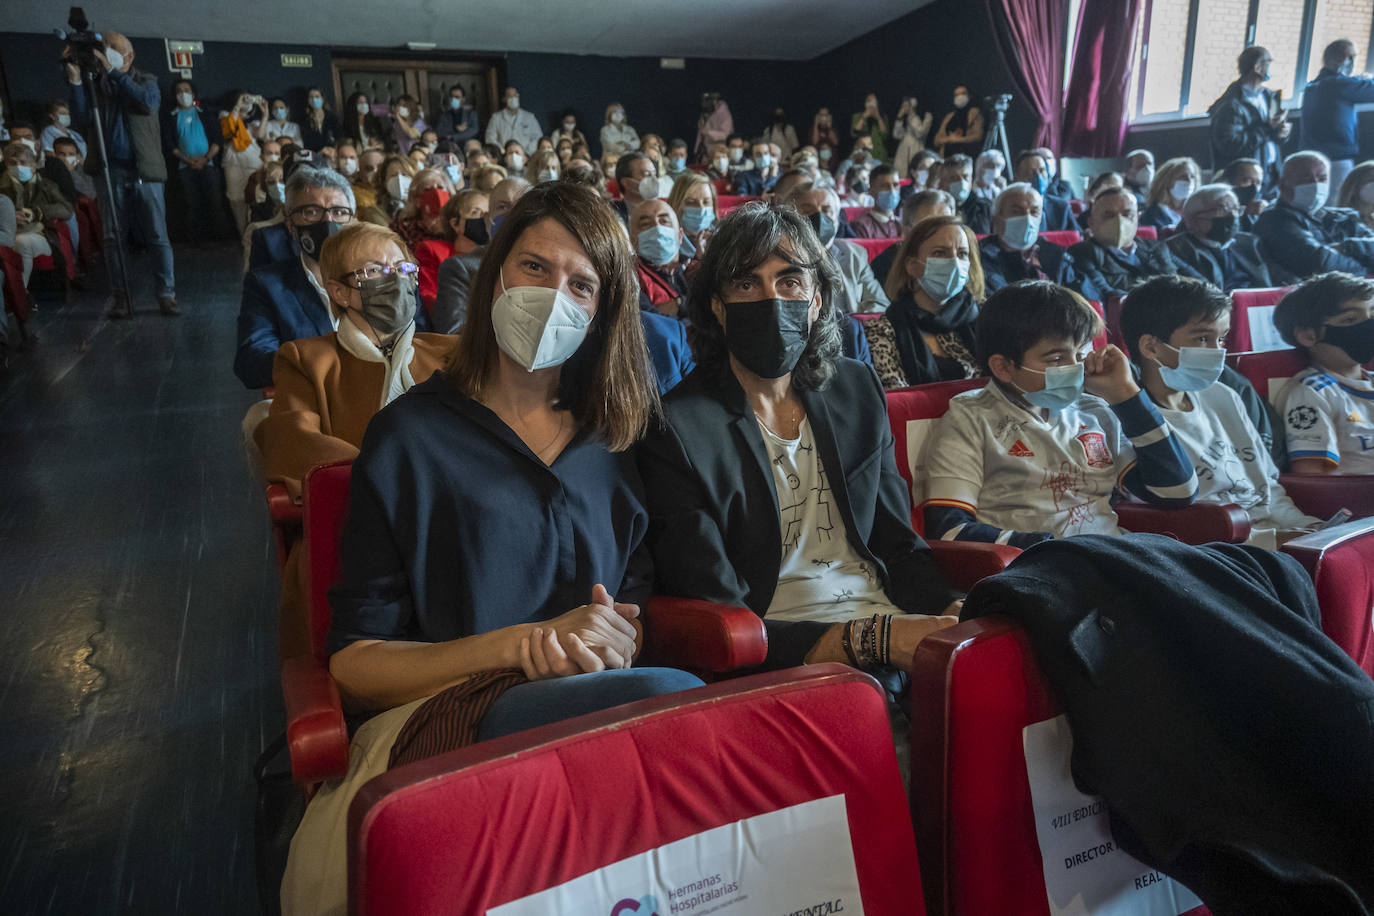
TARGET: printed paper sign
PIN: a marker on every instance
(793, 861)
(1085, 873)
(1263, 335)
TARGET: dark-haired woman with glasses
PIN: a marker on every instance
(493, 561)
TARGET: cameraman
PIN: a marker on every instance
(129, 101)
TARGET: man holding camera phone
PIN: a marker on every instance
(129, 100)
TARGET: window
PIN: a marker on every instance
(1186, 49)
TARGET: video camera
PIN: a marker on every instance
(1000, 102)
(82, 43)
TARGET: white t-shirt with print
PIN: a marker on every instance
(1011, 468)
(1231, 462)
(1330, 418)
(822, 576)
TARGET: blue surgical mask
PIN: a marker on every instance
(23, 174)
(1063, 386)
(888, 200)
(1040, 182)
(455, 174)
(697, 219)
(764, 160)
(279, 114)
(1021, 231)
(677, 163)
(687, 249)
(658, 245)
(1198, 368)
(959, 191)
(316, 102)
(1311, 197)
(944, 278)
(454, 103)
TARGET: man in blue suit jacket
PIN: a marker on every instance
(1015, 251)
(1055, 212)
(666, 339)
(271, 244)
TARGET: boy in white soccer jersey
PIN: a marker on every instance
(1174, 327)
(1031, 456)
(1328, 408)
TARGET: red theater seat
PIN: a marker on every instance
(1101, 340)
(1341, 563)
(727, 202)
(16, 294)
(1242, 338)
(913, 411)
(1147, 232)
(1064, 237)
(694, 635)
(874, 247)
(286, 518)
(977, 686)
(495, 822)
(721, 185)
(1268, 372)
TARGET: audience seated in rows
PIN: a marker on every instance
(693, 199)
(36, 200)
(880, 221)
(926, 334)
(955, 175)
(1326, 408)
(1175, 328)
(915, 207)
(1057, 432)
(1139, 175)
(1055, 212)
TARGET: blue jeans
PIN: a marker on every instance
(142, 210)
(537, 703)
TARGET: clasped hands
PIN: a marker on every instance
(593, 637)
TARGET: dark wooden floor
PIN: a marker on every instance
(137, 603)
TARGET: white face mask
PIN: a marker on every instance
(722, 165)
(736, 153)
(64, 120)
(72, 161)
(648, 187)
(348, 166)
(516, 160)
(403, 112)
(960, 101)
(569, 126)
(513, 102)
(536, 326)
(1311, 196)
(618, 117)
(115, 58)
(363, 108)
(1181, 189)
(398, 186)
(548, 174)
(184, 99)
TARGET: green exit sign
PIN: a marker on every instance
(296, 60)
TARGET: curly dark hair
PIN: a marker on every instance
(746, 238)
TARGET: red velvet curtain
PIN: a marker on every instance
(1030, 38)
(1095, 105)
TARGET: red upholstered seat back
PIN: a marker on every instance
(325, 508)
(1065, 237)
(503, 819)
(1242, 301)
(853, 213)
(977, 685)
(875, 247)
(1341, 563)
(910, 413)
(1147, 232)
(1262, 369)
(727, 202)
(1101, 340)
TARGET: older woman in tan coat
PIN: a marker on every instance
(329, 387)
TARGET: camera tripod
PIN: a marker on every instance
(996, 136)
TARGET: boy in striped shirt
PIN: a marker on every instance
(1058, 430)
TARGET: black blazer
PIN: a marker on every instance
(1056, 213)
(713, 507)
(1112, 274)
(1002, 268)
(1247, 268)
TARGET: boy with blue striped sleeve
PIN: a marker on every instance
(1031, 456)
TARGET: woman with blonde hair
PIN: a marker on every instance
(1174, 183)
(617, 136)
(507, 627)
(693, 199)
(935, 285)
(1357, 192)
(392, 187)
(544, 166)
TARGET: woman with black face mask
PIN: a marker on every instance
(772, 483)
(1212, 245)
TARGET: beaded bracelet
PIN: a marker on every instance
(846, 640)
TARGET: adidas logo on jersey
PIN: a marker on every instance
(1019, 450)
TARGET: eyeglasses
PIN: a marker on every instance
(374, 270)
(313, 213)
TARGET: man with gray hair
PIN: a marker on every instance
(1301, 236)
(287, 300)
(1015, 251)
(858, 290)
(1211, 243)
